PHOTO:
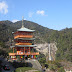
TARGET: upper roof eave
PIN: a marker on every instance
(25, 29)
(25, 45)
(26, 38)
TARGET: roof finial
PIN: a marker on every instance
(22, 22)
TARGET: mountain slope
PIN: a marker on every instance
(42, 34)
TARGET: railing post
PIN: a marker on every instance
(13, 49)
(29, 52)
(29, 49)
(24, 53)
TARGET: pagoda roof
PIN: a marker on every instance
(25, 29)
(25, 45)
(12, 46)
(26, 38)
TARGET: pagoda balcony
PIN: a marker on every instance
(28, 53)
(12, 54)
(23, 44)
(23, 36)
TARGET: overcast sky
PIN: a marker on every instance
(54, 14)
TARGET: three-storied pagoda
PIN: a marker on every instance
(24, 44)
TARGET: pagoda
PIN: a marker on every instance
(24, 44)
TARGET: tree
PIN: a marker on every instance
(61, 70)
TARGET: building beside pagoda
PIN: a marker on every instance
(24, 44)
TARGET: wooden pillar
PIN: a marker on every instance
(24, 53)
(34, 56)
(32, 50)
(15, 57)
(24, 50)
(29, 52)
(13, 50)
(29, 49)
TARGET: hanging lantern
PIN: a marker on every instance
(21, 57)
(25, 55)
(31, 56)
(28, 55)
(36, 56)
(12, 56)
(16, 56)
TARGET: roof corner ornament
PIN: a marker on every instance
(22, 22)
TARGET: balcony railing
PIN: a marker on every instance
(23, 36)
(28, 53)
(22, 53)
(12, 54)
(23, 44)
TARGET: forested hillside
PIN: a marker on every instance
(63, 38)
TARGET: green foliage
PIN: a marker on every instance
(64, 44)
(3, 52)
(11, 50)
(52, 67)
(42, 60)
(0, 61)
(61, 70)
(63, 38)
(20, 64)
(40, 55)
(23, 69)
(2, 44)
(37, 71)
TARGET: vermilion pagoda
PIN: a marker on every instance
(24, 43)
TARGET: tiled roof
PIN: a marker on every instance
(25, 45)
(26, 38)
(25, 29)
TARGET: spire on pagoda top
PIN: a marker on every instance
(22, 22)
(23, 28)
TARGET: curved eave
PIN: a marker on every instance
(25, 45)
(12, 46)
(12, 54)
(25, 29)
(26, 38)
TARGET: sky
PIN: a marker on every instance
(53, 14)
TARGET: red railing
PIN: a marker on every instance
(22, 53)
(23, 36)
(23, 44)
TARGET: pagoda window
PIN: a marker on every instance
(30, 33)
(15, 34)
(23, 33)
(24, 41)
(30, 41)
(26, 47)
(18, 49)
(27, 41)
